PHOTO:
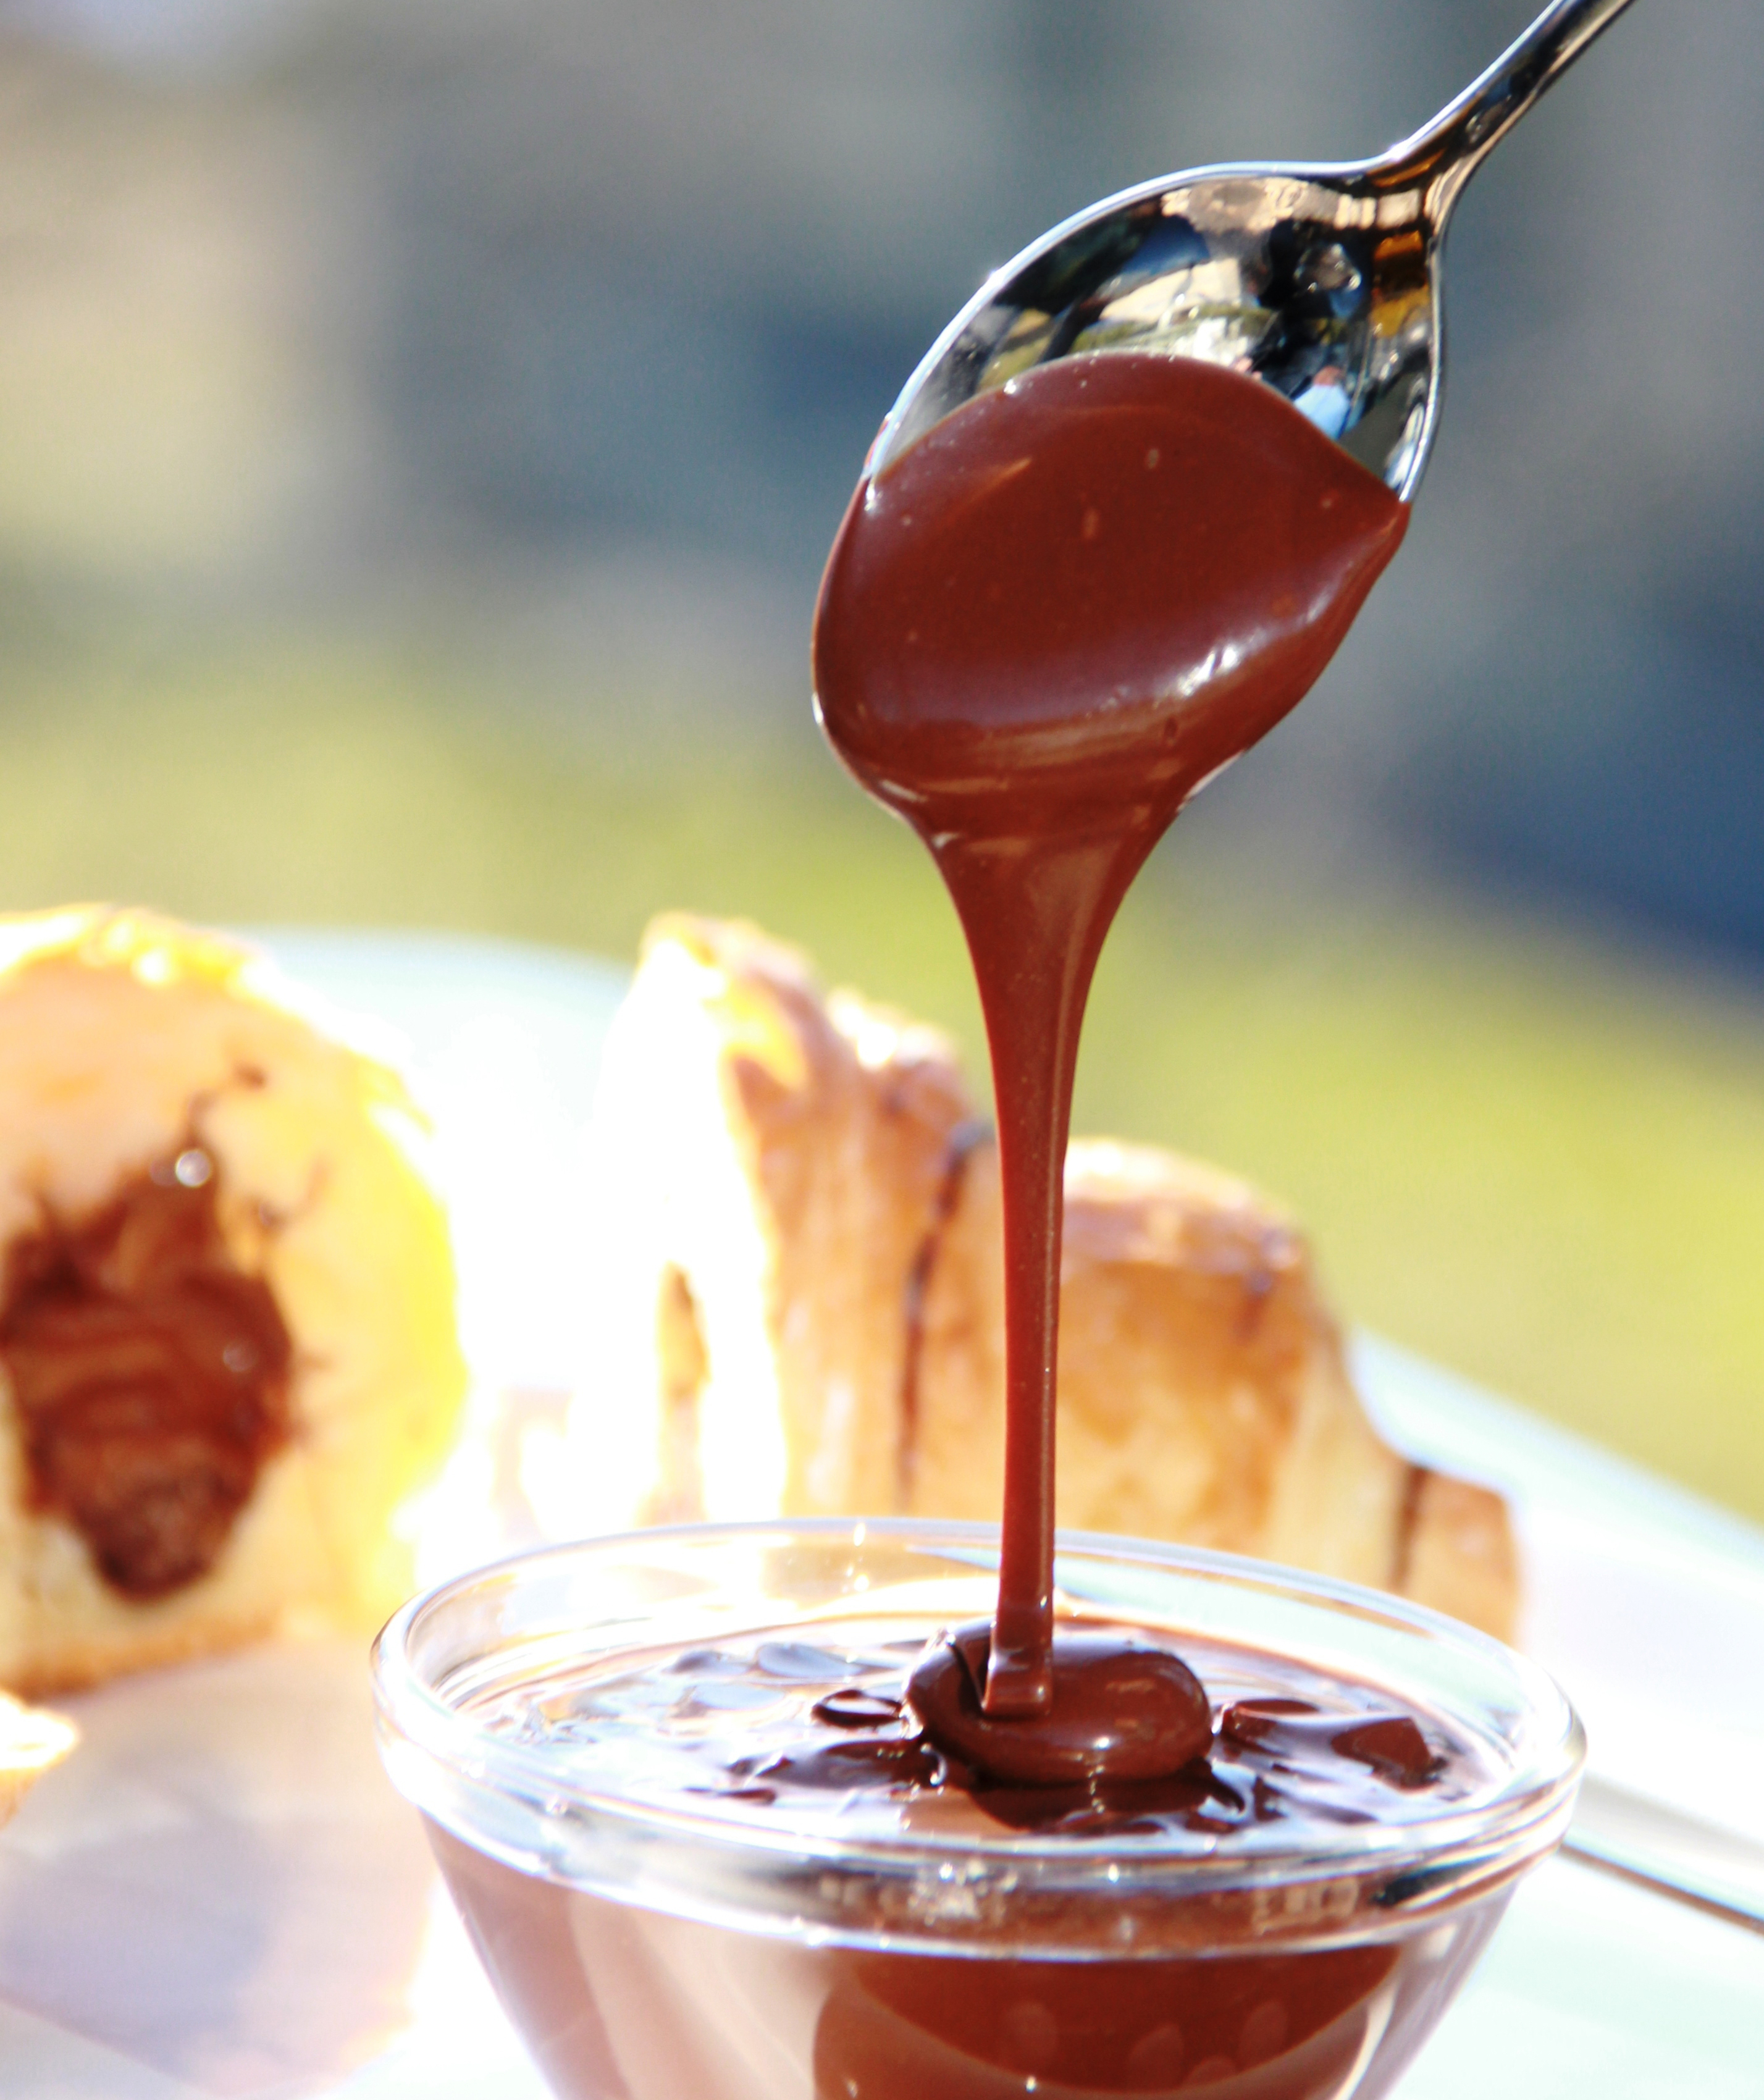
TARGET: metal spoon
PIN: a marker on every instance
(1324, 282)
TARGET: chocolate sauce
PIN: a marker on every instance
(619, 2003)
(1119, 1709)
(1041, 630)
(149, 1372)
(824, 1735)
(898, 2026)
(810, 1737)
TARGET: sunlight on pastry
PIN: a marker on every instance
(31, 1742)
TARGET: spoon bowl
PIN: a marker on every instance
(1323, 282)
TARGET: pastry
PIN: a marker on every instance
(798, 1308)
(30, 1742)
(764, 1162)
(226, 1336)
(1203, 1393)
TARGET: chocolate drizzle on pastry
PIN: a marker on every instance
(964, 1139)
(149, 1372)
(1408, 1523)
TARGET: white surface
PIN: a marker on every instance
(1644, 1601)
(219, 1898)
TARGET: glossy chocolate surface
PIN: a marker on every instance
(820, 1736)
(1120, 1709)
(1068, 606)
(806, 1734)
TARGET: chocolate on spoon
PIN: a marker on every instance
(1092, 559)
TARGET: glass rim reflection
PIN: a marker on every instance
(522, 1618)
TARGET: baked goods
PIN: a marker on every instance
(798, 1309)
(765, 1164)
(30, 1742)
(1203, 1394)
(226, 1337)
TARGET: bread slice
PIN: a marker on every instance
(227, 1347)
(798, 1308)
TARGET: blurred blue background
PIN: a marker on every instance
(421, 422)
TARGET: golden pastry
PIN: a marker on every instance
(797, 1309)
(30, 1742)
(1203, 1393)
(764, 1162)
(226, 1337)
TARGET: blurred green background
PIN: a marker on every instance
(419, 429)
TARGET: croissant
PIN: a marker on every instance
(797, 1306)
(227, 1348)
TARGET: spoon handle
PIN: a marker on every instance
(1444, 154)
(1717, 1871)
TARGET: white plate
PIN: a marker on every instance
(220, 1896)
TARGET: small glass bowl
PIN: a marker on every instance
(650, 1950)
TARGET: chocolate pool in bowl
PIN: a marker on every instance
(706, 1852)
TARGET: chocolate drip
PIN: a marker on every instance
(150, 1374)
(1041, 630)
(1120, 1710)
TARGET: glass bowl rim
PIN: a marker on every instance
(508, 1800)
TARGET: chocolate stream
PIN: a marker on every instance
(1062, 611)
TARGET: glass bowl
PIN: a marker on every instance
(656, 1941)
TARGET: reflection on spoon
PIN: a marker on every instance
(1324, 282)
